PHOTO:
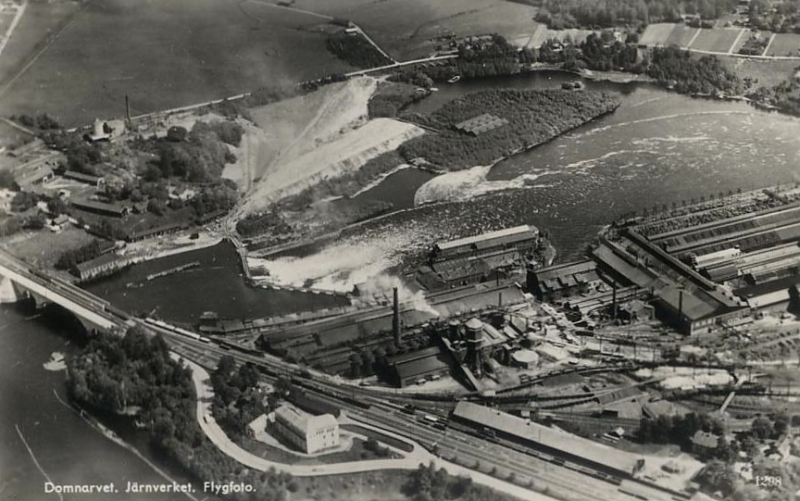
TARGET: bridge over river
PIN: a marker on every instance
(18, 280)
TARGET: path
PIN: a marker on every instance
(412, 461)
(736, 42)
(44, 48)
(17, 16)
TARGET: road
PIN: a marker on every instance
(450, 444)
(412, 461)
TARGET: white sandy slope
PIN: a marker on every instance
(317, 136)
(347, 154)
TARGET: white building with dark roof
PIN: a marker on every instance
(306, 432)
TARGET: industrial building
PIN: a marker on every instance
(682, 297)
(563, 280)
(327, 343)
(548, 440)
(25, 179)
(521, 239)
(411, 368)
(100, 266)
(482, 123)
(96, 181)
(101, 208)
(309, 434)
(156, 231)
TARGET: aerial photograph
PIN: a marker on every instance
(399, 250)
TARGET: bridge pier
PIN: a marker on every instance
(10, 292)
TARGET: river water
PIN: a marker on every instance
(658, 147)
(68, 449)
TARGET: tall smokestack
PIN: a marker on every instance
(127, 108)
(680, 304)
(395, 316)
(614, 299)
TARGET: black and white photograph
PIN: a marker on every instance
(399, 250)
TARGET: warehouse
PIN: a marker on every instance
(550, 441)
(563, 280)
(410, 368)
(523, 239)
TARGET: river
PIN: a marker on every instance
(659, 147)
(67, 448)
(216, 285)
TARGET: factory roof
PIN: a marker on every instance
(694, 307)
(164, 228)
(548, 437)
(565, 270)
(96, 263)
(80, 176)
(421, 367)
(303, 423)
(24, 179)
(507, 235)
(619, 264)
(92, 205)
(414, 355)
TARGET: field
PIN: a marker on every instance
(667, 34)
(404, 27)
(767, 73)
(716, 40)
(785, 44)
(168, 54)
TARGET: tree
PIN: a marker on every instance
(7, 180)
(720, 477)
(35, 222)
(762, 428)
(781, 424)
(57, 206)
(23, 201)
(177, 134)
(156, 207)
(225, 367)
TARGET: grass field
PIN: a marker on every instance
(785, 44)
(681, 36)
(168, 54)
(768, 73)
(39, 22)
(404, 27)
(716, 40)
(667, 34)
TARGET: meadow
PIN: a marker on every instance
(168, 54)
(716, 40)
(405, 28)
(785, 44)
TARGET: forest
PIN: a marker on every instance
(534, 116)
(356, 50)
(593, 14)
(688, 74)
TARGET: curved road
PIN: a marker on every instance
(205, 395)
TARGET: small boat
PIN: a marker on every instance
(434, 89)
(575, 85)
(454, 79)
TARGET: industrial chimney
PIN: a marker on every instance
(127, 108)
(396, 317)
